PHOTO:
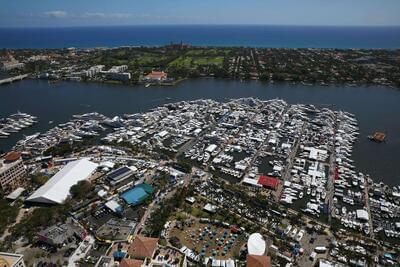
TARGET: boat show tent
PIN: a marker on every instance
(256, 244)
(362, 215)
(270, 182)
(56, 190)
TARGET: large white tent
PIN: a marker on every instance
(56, 190)
(256, 244)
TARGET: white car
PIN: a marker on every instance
(293, 233)
(288, 228)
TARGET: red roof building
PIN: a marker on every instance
(142, 247)
(12, 156)
(337, 173)
(156, 76)
(130, 263)
(258, 261)
(270, 182)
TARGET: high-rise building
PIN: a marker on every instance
(12, 171)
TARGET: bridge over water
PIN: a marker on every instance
(12, 79)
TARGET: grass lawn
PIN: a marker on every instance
(207, 52)
(147, 59)
(182, 62)
(191, 61)
(209, 60)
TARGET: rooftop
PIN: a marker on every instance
(143, 247)
(9, 259)
(258, 261)
(131, 263)
(56, 190)
(12, 156)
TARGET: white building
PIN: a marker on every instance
(92, 71)
(362, 215)
(120, 68)
(12, 64)
(12, 171)
(11, 260)
(56, 190)
(211, 148)
(256, 244)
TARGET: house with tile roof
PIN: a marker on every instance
(131, 263)
(258, 261)
(142, 247)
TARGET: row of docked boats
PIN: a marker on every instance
(15, 123)
(80, 127)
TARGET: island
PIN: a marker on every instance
(169, 64)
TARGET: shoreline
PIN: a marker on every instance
(177, 82)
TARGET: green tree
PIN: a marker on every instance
(40, 179)
(81, 189)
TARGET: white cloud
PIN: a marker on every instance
(55, 14)
(105, 15)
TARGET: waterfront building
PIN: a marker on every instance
(156, 76)
(11, 260)
(117, 73)
(120, 68)
(12, 171)
(92, 71)
(11, 64)
(118, 76)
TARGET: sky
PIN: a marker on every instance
(56, 13)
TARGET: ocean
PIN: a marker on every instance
(203, 35)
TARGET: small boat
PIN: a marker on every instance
(344, 210)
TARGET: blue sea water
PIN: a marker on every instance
(210, 35)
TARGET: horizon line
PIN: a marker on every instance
(195, 24)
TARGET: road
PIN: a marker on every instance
(367, 205)
(287, 170)
(153, 204)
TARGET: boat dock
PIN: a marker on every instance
(12, 79)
